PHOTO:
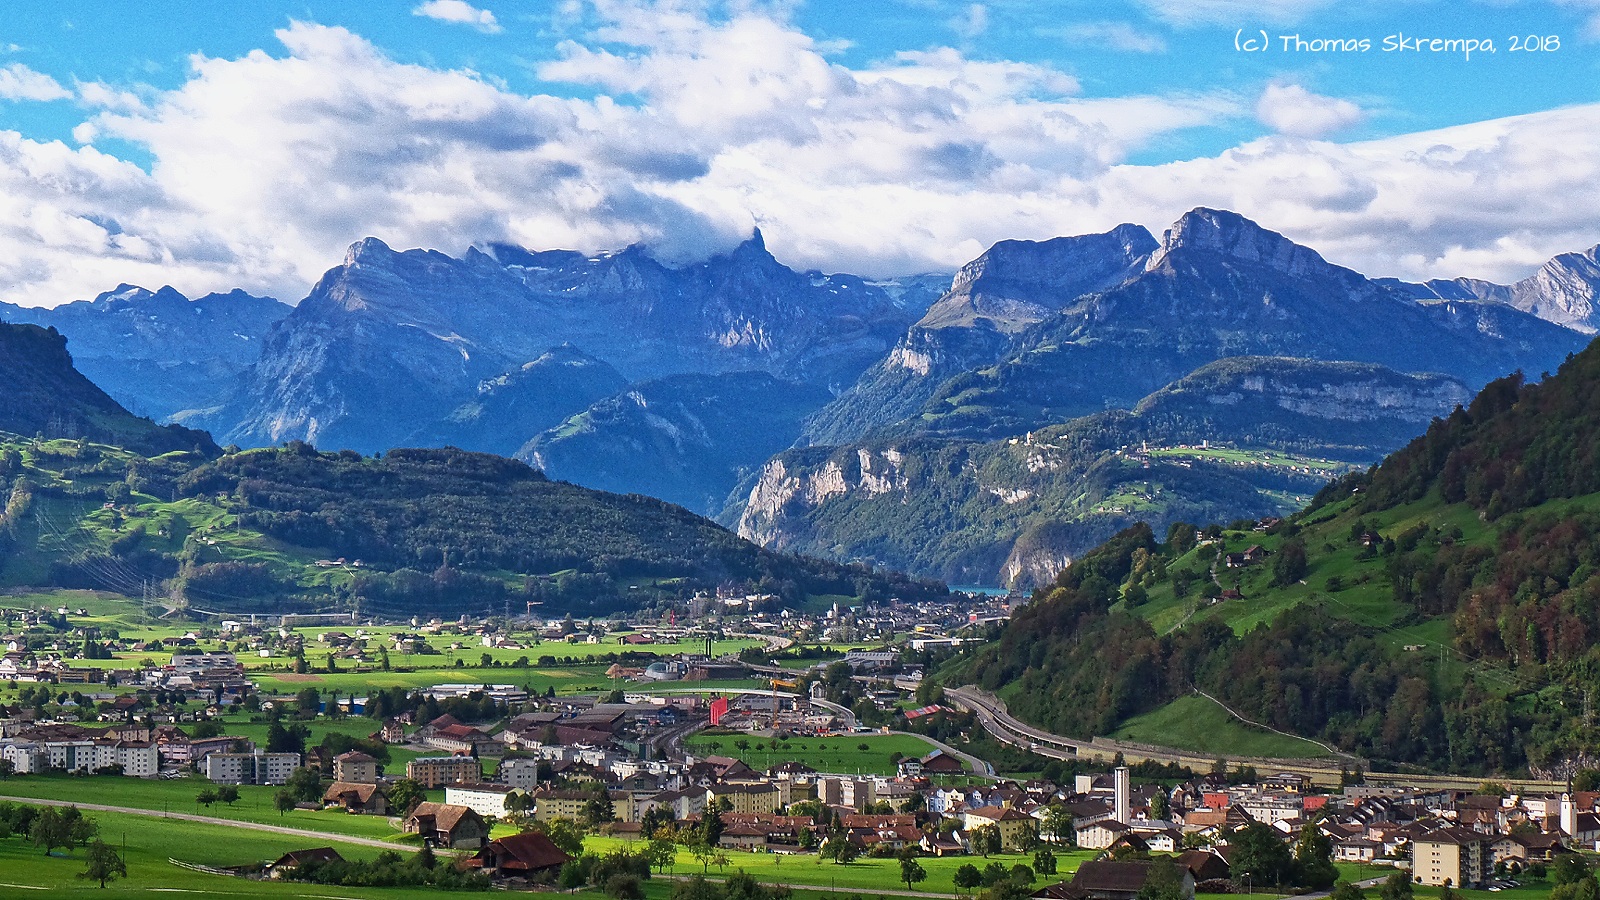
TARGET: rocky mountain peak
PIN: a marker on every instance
(1565, 290)
(1056, 262)
(367, 250)
(1229, 234)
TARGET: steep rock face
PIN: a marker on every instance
(158, 352)
(45, 395)
(390, 341)
(1348, 394)
(1565, 290)
(1014, 511)
(994, 298)
(687, 439)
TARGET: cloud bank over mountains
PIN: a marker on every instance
(684, 131)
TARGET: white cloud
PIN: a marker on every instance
(1108, 36)
(459, 12)
(1292, 110)
(18, 82)
(1590, 8)
(972, 22)
(1237, 13)
(264, 167)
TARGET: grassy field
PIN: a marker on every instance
(178, 795)
(1195, 723)
(147, 844)
(864, 874)
(840, 754)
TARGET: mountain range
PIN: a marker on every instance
(96, 497)
(774, 399)
(158, 352)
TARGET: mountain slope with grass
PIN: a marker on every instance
(1439, 610)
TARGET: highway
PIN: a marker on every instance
(992, 715)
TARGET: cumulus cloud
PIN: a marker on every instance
(1292, 110)
(18, 82)
(688, 130)
(459, 12)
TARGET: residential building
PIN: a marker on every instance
(486, 799)
(438, 771)
(1107, 880)
(360, 798)
(448, 825)
(255, 767)
(519, 855)
(355, 767)
(1458, 856)
(1016, 828)
(746, 798)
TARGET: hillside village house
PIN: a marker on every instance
(355, 767)
(526, 855)
(1016, 828)
(447, 825)
(360, 799)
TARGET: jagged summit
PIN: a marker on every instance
(1229, 234)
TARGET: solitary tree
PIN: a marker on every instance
(911, 871)
(104, 864)
(407, 793)
(968, 877)
(283, 801)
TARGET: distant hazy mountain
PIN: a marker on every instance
(389, 340)
(1016, 510)
(507, 410)
(159, 352)
(688, 439)
(1563, 291)
(45, 396)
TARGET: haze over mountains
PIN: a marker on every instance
(999, 390)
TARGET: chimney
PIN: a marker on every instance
(1121, 788)
(1569, 816)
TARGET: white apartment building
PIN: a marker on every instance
(257, 767)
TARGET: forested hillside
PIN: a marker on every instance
(1438, 610)
(413, 531)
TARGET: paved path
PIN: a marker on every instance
(214, 820)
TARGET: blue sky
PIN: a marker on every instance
(247, 146)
